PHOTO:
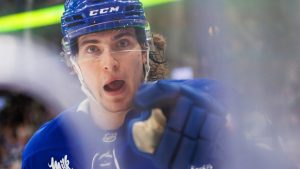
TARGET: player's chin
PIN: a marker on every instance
(120, 106)
(117, 110)
(119, 102)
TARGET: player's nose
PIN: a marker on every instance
(109, 62)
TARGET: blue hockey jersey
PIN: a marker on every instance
(73, 141)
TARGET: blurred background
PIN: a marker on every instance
(251, 46)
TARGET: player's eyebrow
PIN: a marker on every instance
(88, 41)
(124, 33)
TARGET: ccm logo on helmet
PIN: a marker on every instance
(104, 11)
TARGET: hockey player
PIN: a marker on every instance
(127, 122)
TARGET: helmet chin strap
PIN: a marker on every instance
(147, 66)
(84, 86)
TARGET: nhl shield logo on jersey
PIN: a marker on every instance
(64, 163)
(109, 137)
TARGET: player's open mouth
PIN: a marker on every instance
(114, 86)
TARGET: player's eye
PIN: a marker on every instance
(92, 49)
(124, 44)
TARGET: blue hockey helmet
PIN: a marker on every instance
(88, 16)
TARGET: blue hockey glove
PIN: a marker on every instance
(182, 124)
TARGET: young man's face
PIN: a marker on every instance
(111, 63)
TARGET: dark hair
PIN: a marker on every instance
(158, 64)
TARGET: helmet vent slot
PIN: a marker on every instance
(129, 8)
(68, 19)
(138, 7)
(133, 13)
(77, 17)
(75, 24)
(116, 18)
